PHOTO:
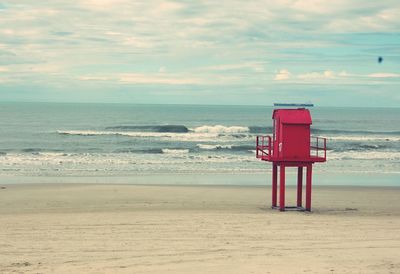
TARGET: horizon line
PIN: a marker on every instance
(180, 104)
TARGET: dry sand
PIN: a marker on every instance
(196, 229)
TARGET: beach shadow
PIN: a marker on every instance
(319, 211)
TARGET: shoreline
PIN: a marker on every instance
(222, 186)
(218, 178)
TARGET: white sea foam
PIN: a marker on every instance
(363, 155)
(363, 138)
(200, 136)
(221, 129)
(93, 163)
(175, 151)
(121, 133)
(119, 158)
(213, 147)
(175, 160)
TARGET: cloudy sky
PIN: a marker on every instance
(201, 52)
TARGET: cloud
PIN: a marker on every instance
(32, 69)
(62, 33)
(328, 74)
(168, 6)
(317, 6)
(102, 4)
(283, 74)
(159, 78)
(163, 78)
(95, 78)
(137, 42)
(384, 75)
(45, 68)
(254, 66)
(333, 77)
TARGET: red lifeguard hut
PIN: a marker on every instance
(291, 146)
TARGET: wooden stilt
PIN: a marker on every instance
(282, 188)
(299, 185)
(308, 187)
(274, 184)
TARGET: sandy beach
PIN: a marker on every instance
(67, 228)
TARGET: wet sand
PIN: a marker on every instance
(67, 228)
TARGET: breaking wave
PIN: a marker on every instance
(260, 129)
(154, 151)
(361, 138)
(175, 151)
(364, 155)
(353, 132)
(221, 129)
(233, 129)
(172, 133)
(226, 147)
(143, 151)
(227, 136)
(105, 133)
(156, 128)
(358, 147)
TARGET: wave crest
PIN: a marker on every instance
(221, 129)
(226, 147)
(175, 151)
(156, 128)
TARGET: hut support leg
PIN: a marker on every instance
(274, 184)
(299, 185)
(282, 188)
(308, 187)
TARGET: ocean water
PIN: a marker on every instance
(49, 139)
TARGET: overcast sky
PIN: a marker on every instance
(201, 52)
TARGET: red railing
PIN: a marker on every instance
(263, 147)
(318, 147)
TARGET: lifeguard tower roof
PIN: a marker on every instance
(299, 116)
(293, 105)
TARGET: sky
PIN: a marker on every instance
(201, 52)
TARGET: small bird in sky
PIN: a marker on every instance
(380, 59)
